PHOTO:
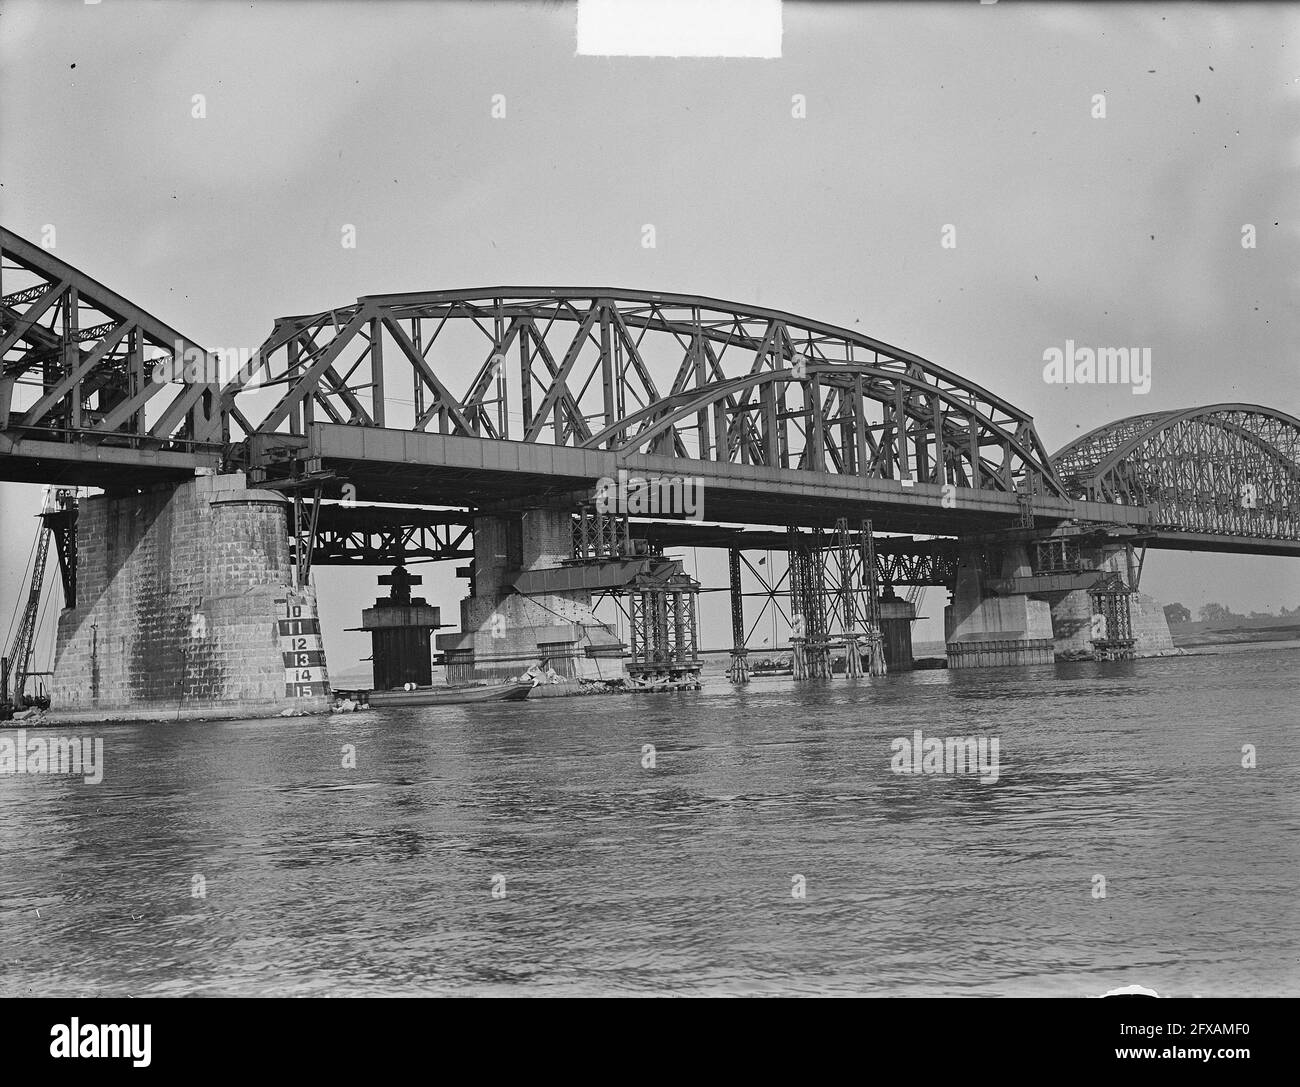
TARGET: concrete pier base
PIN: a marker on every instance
(504, 632)
(186, 610)
(1072, 614)
(983, 630)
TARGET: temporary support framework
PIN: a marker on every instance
(848, 600)
(770, 591)
(599, 535)
(832, 583)
(738, 671)
(663, 629)
(61, 520)
(18, 662)
(870, 585)
(810, 646)
(1112, 599)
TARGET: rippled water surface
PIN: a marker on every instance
(622, 879)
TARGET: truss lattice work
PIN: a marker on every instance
(80, 362)
(1225, 469)
(675, 375)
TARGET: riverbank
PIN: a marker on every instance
(1190, 635)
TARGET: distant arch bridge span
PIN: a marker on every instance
(1211, 477)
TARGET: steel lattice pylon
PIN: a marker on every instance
(1112, 600)
(810, 646)
(663, 629)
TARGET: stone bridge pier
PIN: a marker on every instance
(511, 621)
(987, 629)
(1086, 622)
(1065, 597)
(186, 608)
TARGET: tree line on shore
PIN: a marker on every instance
(1218, 613)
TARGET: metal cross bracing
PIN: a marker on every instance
(824, 594)
(1112, 600)
(738, 666)
(773, 590)
(90, 390)
(900, 560)
(866, 578)
(903, 561)
(663, 638)
(384, 536)
(832, 602)
(1212, 477)
(598, 536)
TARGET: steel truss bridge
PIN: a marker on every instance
(489, 400)
(1219, 478)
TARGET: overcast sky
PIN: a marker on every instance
(1122, 230)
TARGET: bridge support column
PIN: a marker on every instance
(896, 618)
(810, 651)
(663, 632)
(738, 670)
(1072, 612)
(399, 627)
(505, 632)
(984, 630)
(187, 609)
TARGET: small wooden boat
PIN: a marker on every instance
(449, 696)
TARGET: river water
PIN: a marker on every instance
(243, 858)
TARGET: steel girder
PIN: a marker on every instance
(78, 363)
(1223, 469)
(378, 535)
(900, 560)
(937, 566)
(676, 375)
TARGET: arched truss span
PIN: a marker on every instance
(79, 361)
(1225, 469)
(674, 375)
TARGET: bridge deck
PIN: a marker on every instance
(436, 469)
(96, 464)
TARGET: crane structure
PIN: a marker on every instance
(16, 665)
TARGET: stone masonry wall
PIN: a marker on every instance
(179, 591)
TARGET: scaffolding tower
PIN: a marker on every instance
(1112, 599)
(663, 628)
